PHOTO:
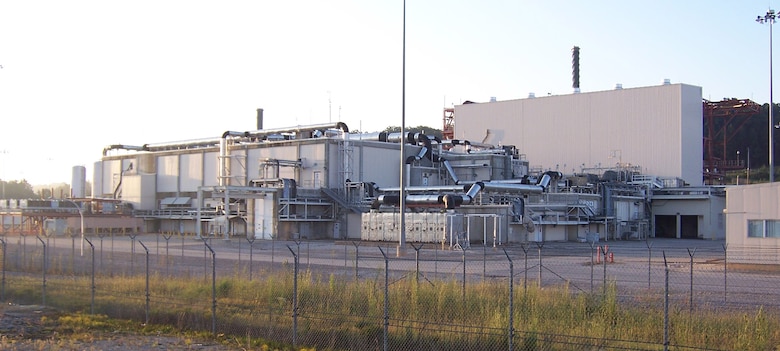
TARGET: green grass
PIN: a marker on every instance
(341, 314)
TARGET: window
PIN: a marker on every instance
(773, 229)
(755, 229)
(760, 228)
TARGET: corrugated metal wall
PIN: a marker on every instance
(658, 128)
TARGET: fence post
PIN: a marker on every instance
(649, 262)
(295, 297)
(525, 269)
(592, 268)
(666, 303)
(484, 262)
(205, 254)
(167, 238)
(213, 289)
(511, 331)
(690, 300)
(132, 253)
(463, 290)
(725, 272)
(2, 289)
(147, 281)
(101, 235)
(539, 245)
(73, 252)
(604, 250)
(251, 249)
(92, 287)
(417, 263)
(357, 255)
(43, 290)
(386, 312)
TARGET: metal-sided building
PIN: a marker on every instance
(604, 155)
(649, 135)
(656, 128)
(753, 223)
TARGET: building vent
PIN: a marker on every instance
(618, 86)
(667, 81)
(531, 95)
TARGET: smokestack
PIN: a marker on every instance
(259, 119)
(575, 68)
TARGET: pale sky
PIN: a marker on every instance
(80, 75)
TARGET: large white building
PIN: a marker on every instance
(656, 130)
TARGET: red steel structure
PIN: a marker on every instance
(722, 121)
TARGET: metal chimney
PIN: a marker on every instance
(259, 119)
(575, 68)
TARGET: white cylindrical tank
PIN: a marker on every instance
(78, 182)
(97, 179)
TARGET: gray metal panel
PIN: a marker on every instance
(210, 169)
(191, 176)
(657, 128)
(381, 165)
(168, 173)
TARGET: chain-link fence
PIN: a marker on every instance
(645, 295)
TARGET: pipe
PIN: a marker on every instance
(122, 147)
(547, 177)
(423, 188)
(450, 170)
(474, 189)
(514, 188)
(177, 145)
(212, 142)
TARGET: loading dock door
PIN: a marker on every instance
(689, 227)
(666, 226)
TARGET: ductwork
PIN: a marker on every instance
(449, 201)
(121, 147)
(547, 177)
(256, 135)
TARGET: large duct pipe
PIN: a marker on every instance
(474, 189)
(450, 170)
(449, 200)
(547, 177)
(121, 147)
(223, 163)
(513, 188)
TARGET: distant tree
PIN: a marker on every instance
(56, 190)
(16, 189)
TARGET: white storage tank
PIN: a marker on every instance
(78, 182)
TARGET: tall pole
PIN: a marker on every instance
(402, 201)
(770, 18)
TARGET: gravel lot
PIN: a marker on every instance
(34, 327)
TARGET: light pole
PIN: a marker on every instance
(738, 166)
(81, 216)
(770, 18)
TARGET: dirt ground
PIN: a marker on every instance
(34, 327)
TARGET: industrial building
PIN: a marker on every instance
(753, 223)
(618, 164)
